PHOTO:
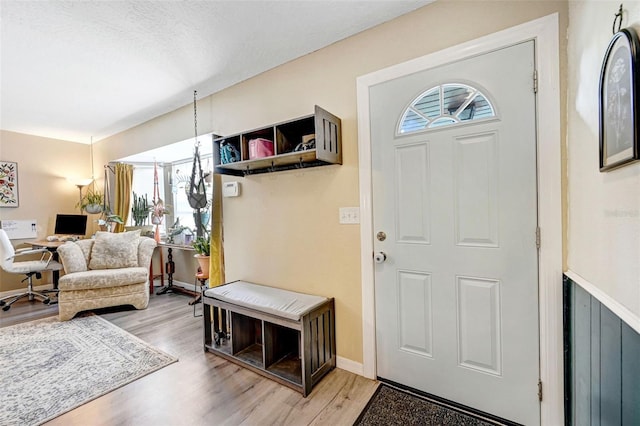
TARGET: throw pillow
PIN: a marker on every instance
(85, 246)
(72, 258)
(114, 251)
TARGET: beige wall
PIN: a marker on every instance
(284, 230)
(604, 208)
(43, 168)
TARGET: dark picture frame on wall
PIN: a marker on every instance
(619, 101)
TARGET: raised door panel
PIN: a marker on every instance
(479, 324)
(476, 190)
(415, 313)
(413, 204)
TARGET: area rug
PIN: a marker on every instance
(48, 367)
(391, 406)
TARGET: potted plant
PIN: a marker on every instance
(92, 202)
(108, 219)
(177, 234)
(140, 210)
(158, 211)
(202, 246)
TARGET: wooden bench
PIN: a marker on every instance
(286, 336)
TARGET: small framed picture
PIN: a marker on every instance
(619, 97)
(8, 184)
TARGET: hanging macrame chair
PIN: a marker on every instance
(197, 194)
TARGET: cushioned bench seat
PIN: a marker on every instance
(275, 301)
(281, 334)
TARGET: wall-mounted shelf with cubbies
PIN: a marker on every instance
(291, 147)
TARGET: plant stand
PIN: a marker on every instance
(170, 268)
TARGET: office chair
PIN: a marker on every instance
(28, 268)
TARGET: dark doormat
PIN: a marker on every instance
(391, 406)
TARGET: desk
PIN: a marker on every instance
(170, 268)
(52, 246)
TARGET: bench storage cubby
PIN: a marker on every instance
(281, 334)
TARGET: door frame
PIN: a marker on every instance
(546, 35)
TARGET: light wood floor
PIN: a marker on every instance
(202, 388)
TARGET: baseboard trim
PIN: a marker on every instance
(350, 366)
(22, 290)
(188, 286)
(182, 284)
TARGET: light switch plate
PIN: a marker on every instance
(349, 215)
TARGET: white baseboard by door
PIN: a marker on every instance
(350, 366)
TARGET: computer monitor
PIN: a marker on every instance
(70, 224)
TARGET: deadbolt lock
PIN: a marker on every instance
(381, 236)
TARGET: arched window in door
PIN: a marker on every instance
(445, 105)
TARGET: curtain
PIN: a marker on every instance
(216, 261)
(122, 204)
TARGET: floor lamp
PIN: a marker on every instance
(81, 183)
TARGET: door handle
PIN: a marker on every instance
(379, 257)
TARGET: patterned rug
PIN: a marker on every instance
(48, 367)
(391, 406)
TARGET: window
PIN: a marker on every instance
(445, 105)
(180, 177)
(142, 184)
(175, 177)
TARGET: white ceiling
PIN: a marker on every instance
(76, 70)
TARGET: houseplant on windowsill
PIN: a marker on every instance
(140, 210)
(202, 246)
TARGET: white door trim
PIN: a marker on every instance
(545, 32)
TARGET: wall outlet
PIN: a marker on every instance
(349, 215)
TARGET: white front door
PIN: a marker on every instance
(455, 213)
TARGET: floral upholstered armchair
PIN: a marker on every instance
(110, 270)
